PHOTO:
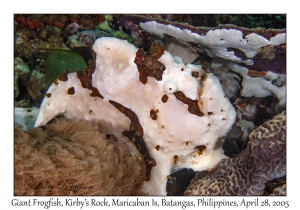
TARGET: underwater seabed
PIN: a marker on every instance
(179, 105)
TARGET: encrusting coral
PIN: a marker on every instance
(262, 161)
(69, 157)
(237, 49)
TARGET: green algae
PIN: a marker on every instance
(59, 60)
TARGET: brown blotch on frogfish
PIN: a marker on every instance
(135, 134)
(192, 104)
(148, 66)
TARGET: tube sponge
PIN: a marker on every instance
(68, 157)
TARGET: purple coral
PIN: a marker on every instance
(82, 39)
(130, 26)
(263, 160)
(72, 28)
(87, 37)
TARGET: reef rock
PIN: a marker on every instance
(249, 172)
(175, 114)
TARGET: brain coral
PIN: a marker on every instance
(68, 157)
(263, 160)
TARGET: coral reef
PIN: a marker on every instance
(72, 28)
(35, 84)
(230, 81)
(261, 86)
(83, 39)
(180, 58)
(33, 81)
(31, 45)
(263, 160)
(68, 157)
(227, 42)
(36, 36)
(33, 22)
(209, 20)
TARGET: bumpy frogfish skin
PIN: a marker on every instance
(172, 133)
